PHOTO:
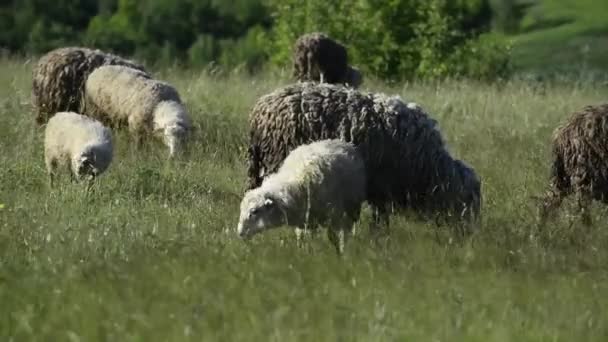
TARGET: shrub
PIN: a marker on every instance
(397, 39)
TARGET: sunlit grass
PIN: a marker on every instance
(152, 253)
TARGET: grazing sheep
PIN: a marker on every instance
(78, 143)
(121, 96)
(318, 58)
(406, 158)
(59, 76)
(322, 182)
(580, 161)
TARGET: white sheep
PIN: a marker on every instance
(123, 96)
(81, 144)
(322, 183)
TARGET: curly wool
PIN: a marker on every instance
(59, 76)
(580, 160)
(315, 54)
(121, 96)
(407, 161)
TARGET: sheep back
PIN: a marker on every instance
(331, 172)
(59, 76)
(122, 96)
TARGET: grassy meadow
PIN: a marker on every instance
(152, 253)
(562, 35)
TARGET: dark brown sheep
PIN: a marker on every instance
(406, 159)
(580, 161)
(59, 76)
(318, 58)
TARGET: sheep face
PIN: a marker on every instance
(259, 212)
(174, 137)
(84, 166)
(353, 77)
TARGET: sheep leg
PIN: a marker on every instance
(253, 168)
(52, 167)
(51, 180)
(584, 200)
(380, 219)
(299, 237)
(90, 183)
(552, 201)
(336, 237)
(339, 233)
(139, 140)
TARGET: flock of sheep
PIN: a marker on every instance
(318, 148)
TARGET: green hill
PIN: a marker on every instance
(563, 35)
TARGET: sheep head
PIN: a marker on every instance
(174, 137)
(84, 165)
(353, 77)
(259, 211)
(172, 124)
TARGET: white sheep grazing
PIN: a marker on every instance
(322, 183)
(123, 96)
(81, 144)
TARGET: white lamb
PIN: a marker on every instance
(81, 144)
(123, 96)
(322, 183)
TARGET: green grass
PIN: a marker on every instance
(563, 35)
(152, 255)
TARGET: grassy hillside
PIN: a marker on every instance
(563, 35)
(152, 255)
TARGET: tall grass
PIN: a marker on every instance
(152, 254)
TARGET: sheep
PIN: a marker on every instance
(121, 96)
(59, 76)
(79, 143)
(322, 182)
(318, 58)
(407, 161)
(580, 162)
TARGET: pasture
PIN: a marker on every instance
(563, 36)
(152, 254)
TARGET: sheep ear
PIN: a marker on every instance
(268, 202)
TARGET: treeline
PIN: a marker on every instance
(391, 39)
(191, 31)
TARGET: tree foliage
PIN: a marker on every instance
(398, 38)
(387, 38)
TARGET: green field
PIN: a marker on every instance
(151, 254)
(563, 36)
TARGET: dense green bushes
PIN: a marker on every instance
(197, 31)
(390, 39)
(399, 38)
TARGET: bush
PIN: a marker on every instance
(397, 39)
(204, 50)
(507, 15)
(196, 31)
(485, 58)
(247, 52)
